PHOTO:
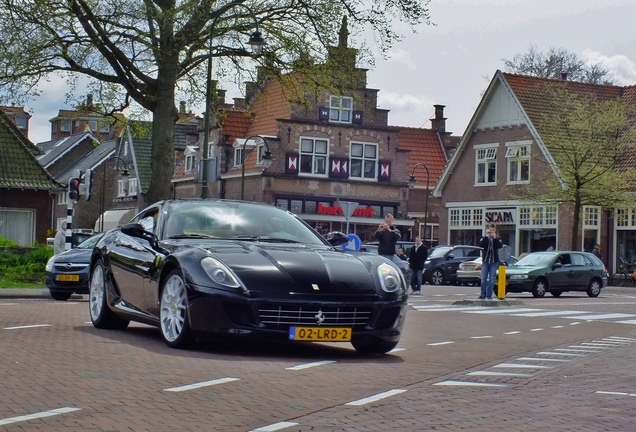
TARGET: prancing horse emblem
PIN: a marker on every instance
(320, 317)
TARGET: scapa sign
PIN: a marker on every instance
(500, 217)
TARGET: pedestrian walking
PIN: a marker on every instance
(59, 243)
(417, 256)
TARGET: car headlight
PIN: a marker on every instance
(50, 264)
(389, 278)
(219, 273)
(518, 277)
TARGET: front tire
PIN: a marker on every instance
(173, 312)
(437, 277)
(372, 345)
(556, 293)
(101, 315)
(594, 289)
(540, 287)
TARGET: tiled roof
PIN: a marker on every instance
(235, 124)
(272, 103)
(425, 148)
(19, 168)
(55, 149)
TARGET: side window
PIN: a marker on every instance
(458, 252)
(579, 260)
(148, 220)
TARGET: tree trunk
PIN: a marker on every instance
(576, 222)
(164, 116)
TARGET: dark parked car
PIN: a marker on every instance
(443, 262)
(241, 269)
(67, 273)
(556, 272)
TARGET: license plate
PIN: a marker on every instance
(326, 334)
(67, 278)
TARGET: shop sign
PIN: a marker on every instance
(337, 211)
(501, 217)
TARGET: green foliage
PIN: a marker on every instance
(23, 265)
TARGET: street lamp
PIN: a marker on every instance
(101, 199)
(267, 159)
(411, 183)
(257, 42)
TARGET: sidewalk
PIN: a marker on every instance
(29, 293)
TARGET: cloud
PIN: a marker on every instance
(620, 67)
(411, 110)
(400, 56)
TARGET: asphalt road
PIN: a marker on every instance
(563, 364)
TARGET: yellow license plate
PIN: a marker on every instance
(68, 278)
(325, 334)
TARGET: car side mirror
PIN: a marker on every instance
(137, 230)
(336, 238)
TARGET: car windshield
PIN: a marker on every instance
(535, 260)
(438, 252)
(90, 242)
(237, 221)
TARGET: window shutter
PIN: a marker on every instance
(384, 172)
(339, 167)
(292, 163)
(323, 113)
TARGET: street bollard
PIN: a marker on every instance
(501, 282)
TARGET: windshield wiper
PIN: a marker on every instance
(185, 236)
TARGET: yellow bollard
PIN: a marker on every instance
(501, 283)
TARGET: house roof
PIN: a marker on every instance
(526, 93)
(272, 103)
(425, 148)
(92, 160)
(53, 150)
(19, 168)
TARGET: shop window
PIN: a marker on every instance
(518, 156)
(485, 165)
(364, 161)
(340, 109)
(313, 156)
(282, 203)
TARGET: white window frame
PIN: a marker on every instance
(21, 122)
(132, 186)
(364, 159)
(65, 125)
(486, 157)
(316, 157)
(340, 109)
(62, 198)
(121, 187)
(238, 155)
(518, 155)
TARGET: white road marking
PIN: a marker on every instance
(593, 347)
(469, 384)
(536, 329)
(34, 416)
(8, 304)
(621, 338)
(575, 350)
(440, 343)
(520, 366)
(561, 354)
(501, 374)
(201, 384)
(376, 397)
(615, 393)
(601, 316)
(397, 350)
(501, 311)
(542, 359)
(480, 337)
(274, 427)
(27, 326)
(512, 332)
(547, 313)
(309, 365)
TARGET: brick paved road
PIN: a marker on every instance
(457, 370)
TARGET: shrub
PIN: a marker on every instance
(22, 264)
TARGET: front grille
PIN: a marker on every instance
(286, 315)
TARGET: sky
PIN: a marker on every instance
(451, 63)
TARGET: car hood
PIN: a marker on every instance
(523, 269)
(298, 269)
(75, 256)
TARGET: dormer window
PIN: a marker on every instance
(340, 109)
(21, 122)
(65, 125)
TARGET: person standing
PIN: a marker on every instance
(597, 251)
(490, 245)
(387, 236)
(59, 244)
(417, 257)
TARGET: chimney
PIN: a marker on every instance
(564, 76)
(239, 103)
(221, 96)
(251, 89)
(89, 100)
(182, 108)
(439, 122)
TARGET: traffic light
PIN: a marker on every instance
(73, 188)
(86, 184)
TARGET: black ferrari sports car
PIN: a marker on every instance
(241, 269)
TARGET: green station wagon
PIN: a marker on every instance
(556, 272)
